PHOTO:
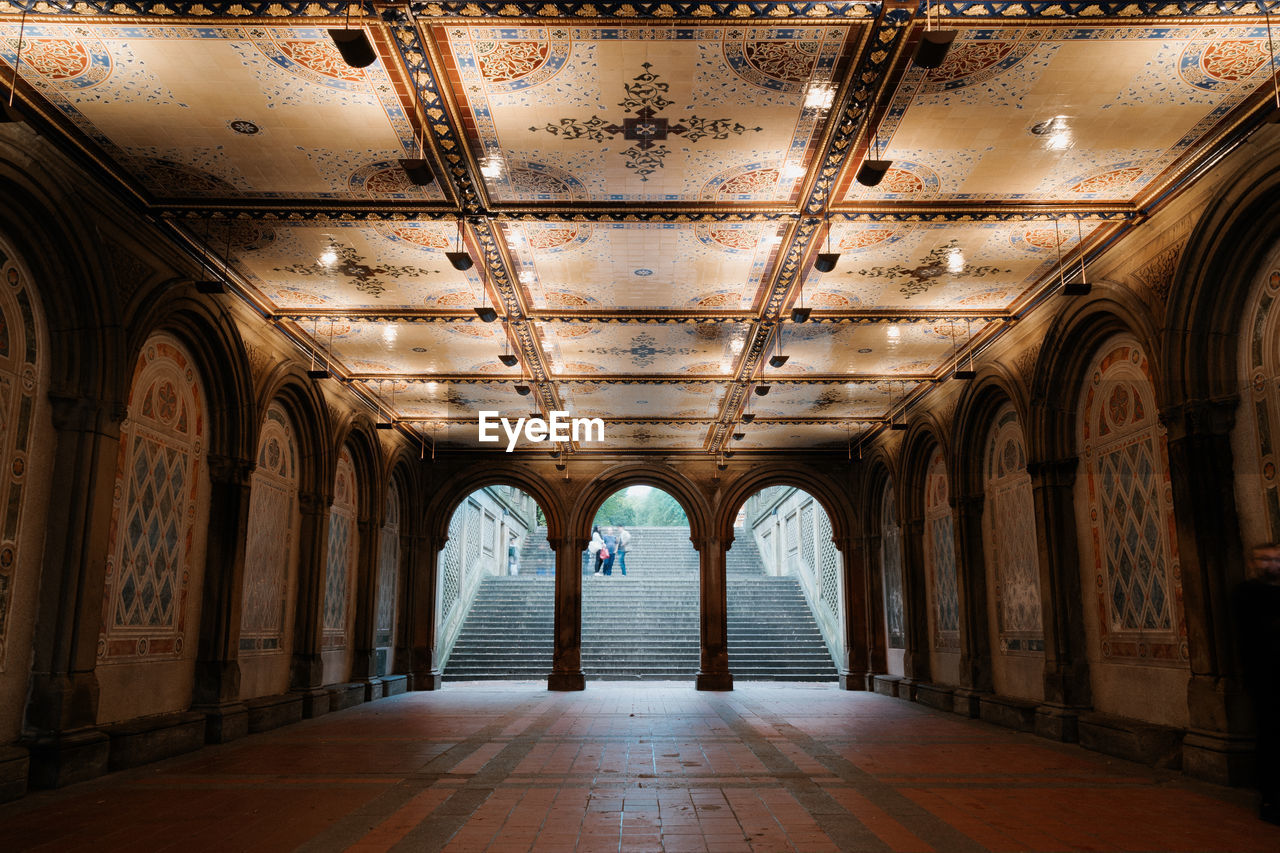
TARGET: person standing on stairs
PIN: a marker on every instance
(594, 546)
(607, 552)
(624, 539)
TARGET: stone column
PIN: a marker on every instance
(217, 683)
(1066, 665)
(854, 666)
(713, 622)
(62, 707)
(566, 662)
(877, 649)
(975, 635)
(307, 670)
(423, 559)
(364, 668)
(1217, 745)
(915, 601)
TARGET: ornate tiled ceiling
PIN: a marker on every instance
(644, 187)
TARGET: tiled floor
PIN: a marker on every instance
(652, 767)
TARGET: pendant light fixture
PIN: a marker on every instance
(417, 169)
(354, 45)
(969, 372)
(461, 259)
(507, 357)
(7, 113)
(826, 261)
(321, 372)
(1274, 117)
(385, 416)
(934, 44)
(762, 390)
(872, 172)
(1078, 286)
(522, 388)
(778, 359)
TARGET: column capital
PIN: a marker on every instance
(1054, 472)
(85, 414)
(313, 503)
(1206, 417)
(230, 470)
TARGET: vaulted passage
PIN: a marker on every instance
(771, 768)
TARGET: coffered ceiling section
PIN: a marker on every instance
(629, 266)
(644, 349)
(1087, 111)
(263, 111)
(649, 113)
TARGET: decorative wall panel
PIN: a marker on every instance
(340, 567)
(153, 516)
(891, 566)
(388, 569)
(1010, 529)
(940, 555)
(269, 551)
(1132, 538)
(1261, 345)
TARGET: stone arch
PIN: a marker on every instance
(1213, 281)
(834, 499)
(1069, 347)
(449, 496)
(359, 437)
(211, 336)
(882, 532)
(994, 386)
(302, 399)
(668, 479)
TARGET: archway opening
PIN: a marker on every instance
(784, 589)
(640, 605)
(495, 598)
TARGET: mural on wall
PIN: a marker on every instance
(19, 371)
(340, 567)
(1263, 363)
(1010, 530)
(940, 555)
(891, 566)
(268, 563)
(388, 574)
(1130, 502)
(153, 516)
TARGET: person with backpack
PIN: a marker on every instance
(624, 539)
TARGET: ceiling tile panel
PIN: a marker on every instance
(714, 113)
(349, 265)
(865, 348)
(261, 111)
(764, 434)
(651, 399)
(1072, 113)
(846, 400)
(656, 435)
(637, 349)
(458, 347)
(642, 266)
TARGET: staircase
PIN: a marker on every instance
(643, 625)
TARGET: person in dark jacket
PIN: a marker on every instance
(1256, 608)
(607, 553)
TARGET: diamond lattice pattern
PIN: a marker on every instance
(153, 536)
(1135, 554)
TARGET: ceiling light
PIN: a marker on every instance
(778, 360)
(820, 96)
(872, 172)
(762, 390)
(318, 373)
(955, 260)
(418, 171)
(800, 315)
(383, 425)
(389, 334)
(826, 261)
(328, 257)
(728, 454)
(933, 48)
(211, 286)
(486, 313)
(461, 260)
(527, 277)
(509, 359)
(492, 168)
(354, 45)
(892, 331)
(523, 390)
(791, 171)
(964, 373)
(748, 417)
(738, 436)
(898, 425)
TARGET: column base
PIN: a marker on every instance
(854, 680)
(1224, 759)
(1058, 722)
(967, 702)
(714, 681)
(566, 681)
(315, 702)
(224, 722)
(425, 681)
(68, 757)
(372, 689)
(15, 766)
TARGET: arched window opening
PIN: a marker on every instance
(785, 594)
(891, 580)
(495, 603)
(340, 572)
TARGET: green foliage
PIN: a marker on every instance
(655, 508)
(540, 519)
